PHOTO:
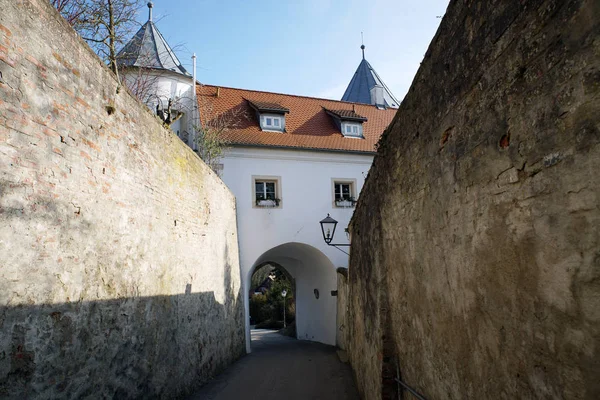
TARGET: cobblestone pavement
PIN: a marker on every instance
(282, 368)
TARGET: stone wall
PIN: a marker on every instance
(119, 271)
(476, 239)
(342, 309)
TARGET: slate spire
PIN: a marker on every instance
(149, 49)
(367, 87)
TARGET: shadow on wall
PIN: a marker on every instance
(159, 346)
(130, 347)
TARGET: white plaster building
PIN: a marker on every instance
(291, 161)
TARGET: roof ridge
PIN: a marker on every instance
(153, 38)
(294, 95)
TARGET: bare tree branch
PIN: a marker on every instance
(104, 24)
(211, 139)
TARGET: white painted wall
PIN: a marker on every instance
(307, 197)
(162, 86)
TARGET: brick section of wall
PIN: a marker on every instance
(479, 223)
(119, 270)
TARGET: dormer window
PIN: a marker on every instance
(349, 122)
(270, 122)
(353, 129)
(271, 116)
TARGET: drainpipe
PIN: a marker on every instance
(195, 116)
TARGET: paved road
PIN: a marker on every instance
(282, 368)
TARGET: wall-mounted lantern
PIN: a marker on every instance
(328, 225)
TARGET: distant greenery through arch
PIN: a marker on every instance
(266, 301)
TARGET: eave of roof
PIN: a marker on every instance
(317, 149)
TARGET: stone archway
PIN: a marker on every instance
(315, 278)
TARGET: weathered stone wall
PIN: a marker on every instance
(342, 309)
(478, 229)
(119, 272)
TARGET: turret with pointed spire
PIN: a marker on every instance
(367, 87)
(148, 49)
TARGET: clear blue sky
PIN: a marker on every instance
(305, 47)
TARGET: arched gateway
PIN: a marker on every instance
(315, 279)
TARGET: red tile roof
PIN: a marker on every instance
(307, 126)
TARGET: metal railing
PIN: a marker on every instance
(410, 390)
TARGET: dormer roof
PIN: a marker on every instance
(346, 115)
(360, 89)
(266, 107)
(149, 49)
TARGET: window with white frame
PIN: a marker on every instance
(344, 194)
(352, 129)
(266, 192)
(270, 122)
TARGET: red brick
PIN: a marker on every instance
(4, 56)
(82, 102)
(58, 57)
(91, 144)
(27, 164)
(67, 91)
(35, 62)
(50, 132)
(6, 31)
(85, 155)
(59, 106)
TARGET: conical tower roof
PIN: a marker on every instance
(149, 49)
(364, 80)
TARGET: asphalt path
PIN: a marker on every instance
(282, 368)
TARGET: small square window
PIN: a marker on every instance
(344, 194)
(342, 191)
(266, 192)
(272, 123)
(352, 129)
